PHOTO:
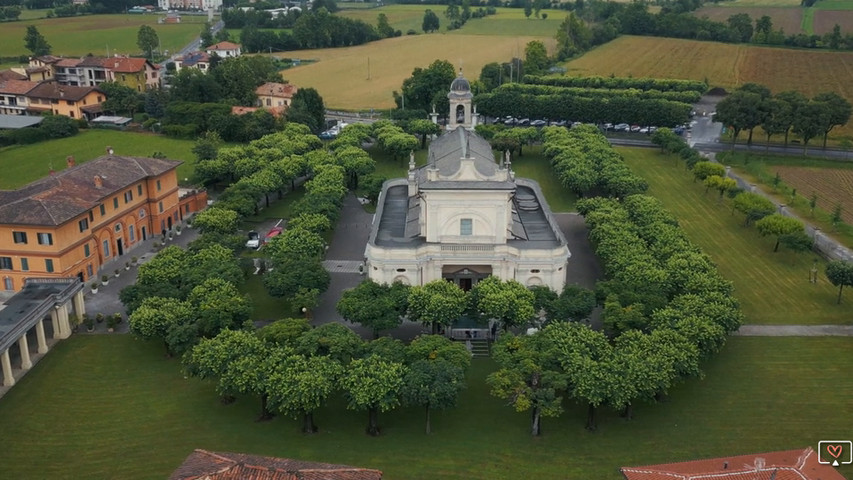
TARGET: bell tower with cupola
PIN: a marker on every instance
(461, 99)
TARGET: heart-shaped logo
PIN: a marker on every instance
(834, 450)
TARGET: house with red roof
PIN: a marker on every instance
(13, 96)
(224, 49)
(800, 464)
(205, 465)
(137, 73)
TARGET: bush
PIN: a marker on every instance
(59, 126)
(411, 31)
(181, 131)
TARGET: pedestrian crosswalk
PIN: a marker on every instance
(342, 266)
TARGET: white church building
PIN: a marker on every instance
(464, 216)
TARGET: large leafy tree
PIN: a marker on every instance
(536, 61)
(509, 302)
(838, 111)
(427, 87)
(778, 225)
(157, 316)
(810, 121)
(295, 273)
(431, 22)
(432, 385)
(529, 377)
(219, 305)
(373, 306)
(147, 40)
(438, 347)
(840, 274)
(308, 109)
(219, 221)
(575, 303)
(35, 42)
(251, 374)
(753, 206)
(436, 303)
(742, 110)
(301, 385)
(331, 340)
(285, 331)
(424, 128)
(373, 384)
(212, 357)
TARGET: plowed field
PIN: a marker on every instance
(824, 20)
(832, 185)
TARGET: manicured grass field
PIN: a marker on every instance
(723, 65)
(788, 18)
(22, 164)
(341, 74)
(95, 34)
(773, 288)
(114, 407)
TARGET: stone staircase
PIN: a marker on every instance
(480, 347)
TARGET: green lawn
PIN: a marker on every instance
(808, 21)
(773, 287)
(264, 306)
(834, 5)
(22, 164)
(97, 34)
(95, 398)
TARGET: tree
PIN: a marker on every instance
(836, 216)
(373, 384)
(372, 306)
(536, 60)
(424, 128)
(120, 98)
(157, 316)
(219, 221)
(528, 8)
(840, 274)
(575, 303)
(219, 305)
(293, 273)
(764, 26)
(250, 373)
(529, 377)
(741, 110)
(331, 340)
(147, 40)
(296, 243)
(703, 170)
(438, 347)
(35, 42)
(509, 302)
(301, 385)
(206, 36)
(491, 76)
(207, 146)
(308, 109)
(778, 225)
(284, 331)
(432, 385)
(573, 37)
(794, 101)
(384, 29)
(753, 206)
(810, 121)
(431, 22)
(427, 87)
(741, 24)
(838, 112)
(436, 303)
(313, 222)
(721, 184)
(212, 357)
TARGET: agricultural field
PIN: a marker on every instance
(773, 288)
(761, 3)
(825, 20)
(95, 34)
(95, 395)
(723, 65)
(22, 164)
(341, 74)
(834, 5)
(789, 19)
(833, 186)
(401, 17)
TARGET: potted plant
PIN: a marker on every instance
(127, 265)
(99, 318)
(89, 322)
(95, 286)
(171, 236)
(112, 321)
(118, 272)
(134, 261)
(178, 229)
(105, 280)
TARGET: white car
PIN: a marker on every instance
(254, 240)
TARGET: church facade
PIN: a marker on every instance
(464, 216)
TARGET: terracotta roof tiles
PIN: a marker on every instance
(223, 46)
(16, 87)
(202, 464)
(55, 91)
(127, 64)
(11, 75)
(280, 90)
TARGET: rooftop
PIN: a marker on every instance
(11, 75)
(194, 58)
(202, 464)
(55, 91)
(33, 302)
(224, 46)
(272, 89)
(63, 196)
(783, 465)
(127, 64)
(16, 87)
(14, 122)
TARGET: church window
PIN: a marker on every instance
(535, 270)
(401, 269)
(466, 226)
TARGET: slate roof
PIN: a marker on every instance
(783, 465)
(202, 464)
(65, 195)
(55, 91)
(446, 153)
(16, 87)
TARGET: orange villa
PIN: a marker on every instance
(74, 102)
(78, 221)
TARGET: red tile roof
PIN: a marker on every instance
(224, 46)
(202, 464)
(16, 87)
(784, 465)
(279, 90)
(127, 64)
(55, 91)
(11, 75)
(68, 62)
(67, 194)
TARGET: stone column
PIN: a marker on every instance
(54, 320)
(8, 378)
(64, 327)
(40, 336)
(79, 306)
(24, 346)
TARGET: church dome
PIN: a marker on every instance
(460, 88)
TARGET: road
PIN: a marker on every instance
(195, 45)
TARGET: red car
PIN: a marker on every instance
(274, 232)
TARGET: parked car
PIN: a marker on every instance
(274, 232)
(635, 128)
(510, 121)
(679, 130)
(644, 130)
(254, 240)
(327, 135)
(538, 123)
(608, 126)
(557, 123)
(621, 127)
(524, 122)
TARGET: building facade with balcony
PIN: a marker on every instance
(77, 222)
(464, 216)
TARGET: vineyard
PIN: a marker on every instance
(833, 186)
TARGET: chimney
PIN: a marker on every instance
(69, 161)
(109, 150)
(99, 182)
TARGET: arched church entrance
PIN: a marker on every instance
(465, 276)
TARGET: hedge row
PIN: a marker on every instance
(532, 89)
(662, 84)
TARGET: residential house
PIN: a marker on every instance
(199, 60)
(224, 49)
(205, 465)
(41, 68)
(189, 4)
(74, 102)
(95, 71)
(68, 71)
(13, 96)
(137, 73)
(11, 74)
(801, 464)
(274, 96)
(79, 221)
